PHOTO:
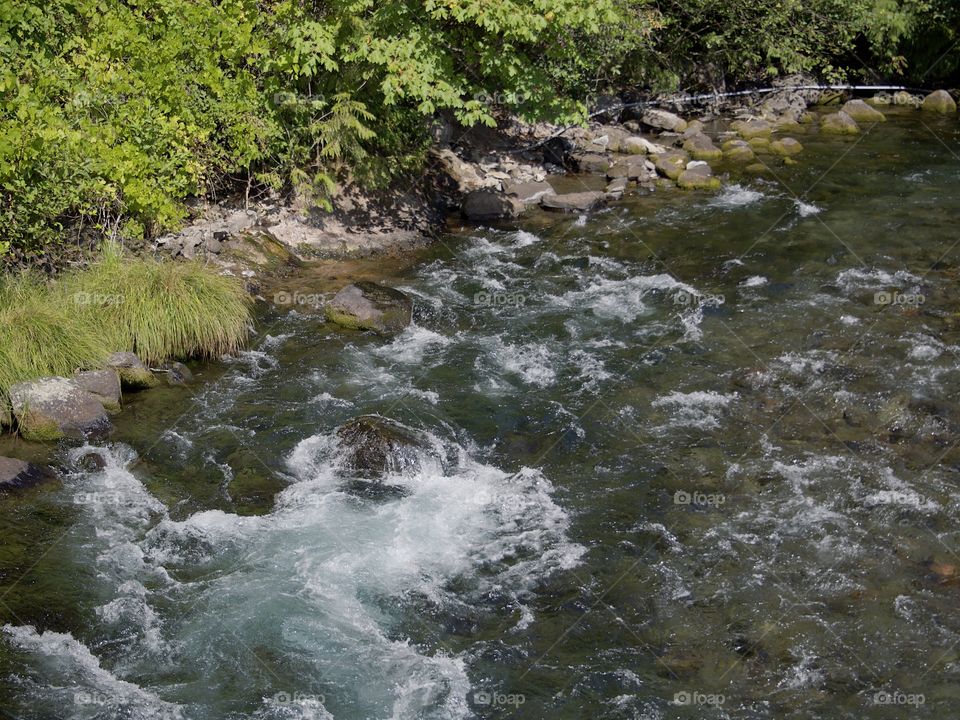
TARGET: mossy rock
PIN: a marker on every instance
(701, 147)
(786, 147)
(761, 144)
(939, 101)
(861, 112)
(368, 306)
(738, 151)
(671, 164)
(54, 407)
(749, 129)
(699, 177)
(134, 375)
(839, 123)
(756, 169)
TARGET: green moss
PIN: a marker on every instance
(37, 428)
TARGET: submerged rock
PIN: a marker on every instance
(529, 193)
(749, 129)
(939, 101)
(102, 384)
(55, 407)
(574, 202)
(16, 474)
(376, 446)
(786, 147)
(134, 375)
(738, 151)
(839, 123)
(178, 374)
(368, 306)
(701, 147)
(861, 112)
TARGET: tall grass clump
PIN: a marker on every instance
(161, 309)
(41, 333)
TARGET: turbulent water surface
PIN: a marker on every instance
(690, 456)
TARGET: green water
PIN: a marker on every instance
(691, 456)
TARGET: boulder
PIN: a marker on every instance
(16, 474)
(761, 144)
(529, 193)
(102, 384)
(374, 446)
(134, 375)
(632, 168)
(55, 407)
(483, 205)
(178, 374)
(749, 129)
(663, 120)
(574, 202)
(738, 151)
(634, 145)
(616, 188)
(464, 174)
(786, 147)
(589, 162)
(671, 163)
(694, 127)
(939, 101)
(365, 305)
(609, 138)
(861, 112)
(839, 123)
(701, 147)
(698, 176)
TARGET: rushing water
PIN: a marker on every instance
(690, 456)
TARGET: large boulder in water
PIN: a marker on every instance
(16, 474)
(574, 202)
(134, 375)
(366, 305)
(861, 112)
(484, 205)
(839, 123)
(663, 120)
(939, 101)
(376, 446)
(55, 407)
(102, 384)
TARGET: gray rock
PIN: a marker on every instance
(616, 188)
(861, 112)
(134, 375)
(463, 173)
(574, 202)
(839, 123)
(663, 120)
(375, 445)
(939, 101)
(368, 306)
(178, 374)
(102, 384)
(632, 168)
(590, 162)
(529, 193)
(481, 205)
(55, 407)
(17, 474)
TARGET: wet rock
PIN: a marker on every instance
(529, 193)
(839, 123)
(465, 174)
(18, 474)
(861, 112)
(368, 306)
(788, 122)
(178, 374)
(663, 120)
(786, 147)
(738, 151)
(701, 147)
(939, 101)
(671, 164)
(102, 384)
(694, 127)
(55, 407)
(756, 169)
(759, 144)
(610, 138)
(90, 462)
(749, 129)
(574, 202)
(589, 162)
(375, 446)
(634, 145)
(616, 188)
(484, 205)
(633, 168)
(698, 176)
(134, 375)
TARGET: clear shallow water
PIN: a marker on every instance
(685, 450)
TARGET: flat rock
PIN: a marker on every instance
(698, 176)
(590, 162)
(482, 205)
(671, 163)
(701, 147)
(55, 407)
(749, 129)
(939, 101)
(738, 151)
(17, 474)
(366, 305)
(663, 120)
(102, 384)
(574, 202)
(632, 168)
(529, 193)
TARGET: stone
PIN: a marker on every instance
(881, 99)
(464, 174)
(839, 123)
(610, 138)
(483, 205)
(698, 177)
(902, 98)
(738, 151)
(634, 145)
(529, 193)
(760, 144)
(589, 162)
(376, 446)
(178, 374)
(632, 168)
(701, 147)
(861, 112)
(18, 474)
(574, 202)
(756, 169)
(671, 163)
(663, 120)
(786, 147)
(939, 101)
(134, 375)
(102, 384)
(749, 129)
(54, 407)
(616, 188)
(366, 305)
(694, 127)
